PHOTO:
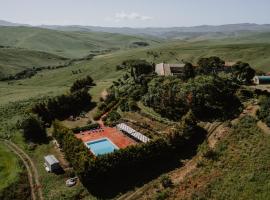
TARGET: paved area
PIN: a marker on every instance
(118, 138)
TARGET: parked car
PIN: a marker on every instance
(71, 182)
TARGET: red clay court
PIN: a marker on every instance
(116, 136)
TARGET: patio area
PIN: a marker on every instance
(117, 137)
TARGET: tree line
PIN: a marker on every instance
(59, 107)
(126, 165)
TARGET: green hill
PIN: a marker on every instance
(102, 68)
(26, 47)
(67, 44)
(14, 60)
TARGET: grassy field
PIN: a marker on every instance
(9, 167)
(67, 44)
(25, 47)
(14, 60)
(102, 68)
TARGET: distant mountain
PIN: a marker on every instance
(6, 23)
(195, 32)
(173, 32)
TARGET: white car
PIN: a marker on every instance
(71, 182)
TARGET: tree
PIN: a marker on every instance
(243, 72)
(165, 97)
(210, 65)
(63, 106)
(82, 83)
(189, 72)
(212, 97)
(141, 67)
(33, 129)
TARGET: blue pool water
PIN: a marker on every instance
(102, 146)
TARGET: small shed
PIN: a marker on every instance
(51, 163)
(258, 80)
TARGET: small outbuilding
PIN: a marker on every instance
(51, 163)
(258, 80)
(164, 69)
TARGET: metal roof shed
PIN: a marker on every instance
(51, 163)
(261, 80)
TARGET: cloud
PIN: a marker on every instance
(120, 16)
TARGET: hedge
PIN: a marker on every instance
(86, 128)
(94, 170)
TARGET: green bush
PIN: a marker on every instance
(263, 113)
(86, 128)
(97, 115)
(111, 118)
(162, 195)
(166, 181)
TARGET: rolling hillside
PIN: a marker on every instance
(102, 67)
(14, 60)
(67, 44)
(27, 47)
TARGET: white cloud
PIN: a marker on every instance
(120, 16)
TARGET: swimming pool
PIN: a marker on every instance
(101, 146)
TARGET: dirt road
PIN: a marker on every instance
(35, 186)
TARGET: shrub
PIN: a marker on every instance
(166, 181)
(85, 128)
(97, 115)
(162, 195)
(112, 118)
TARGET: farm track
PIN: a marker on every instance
(36, 191)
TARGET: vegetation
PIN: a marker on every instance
(16, 60)
(68, 44)
(232, 174)
(211, 65)
(92, 170)
(33, 129)
(209, 97)
(243, 72)
(112, 118)
(86, 128)
(126, 93)
(63, 106)
(81, 84)
(263, 113)
(142, 44)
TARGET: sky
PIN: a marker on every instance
(135, 13)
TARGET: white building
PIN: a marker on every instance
(164, 69)
(51, 163)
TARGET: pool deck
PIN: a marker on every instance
(117, 137)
